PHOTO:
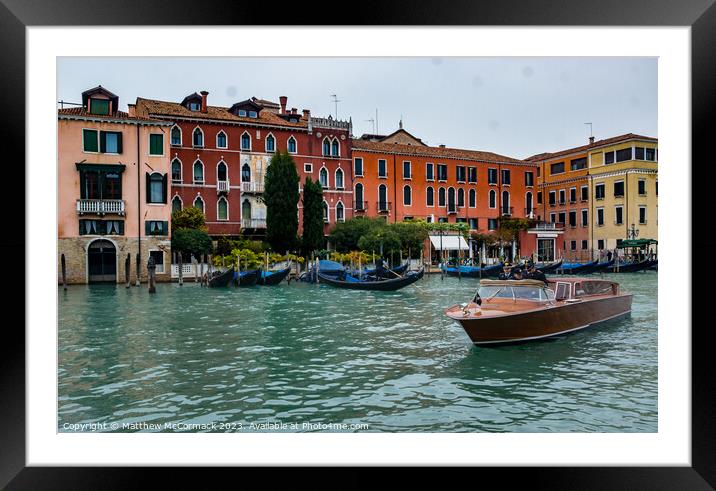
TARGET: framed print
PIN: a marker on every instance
(410, 245)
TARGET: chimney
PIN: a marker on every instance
(591, 140)
(442, 145)
(294, 110)
(203, 100)
(283, 100)
(307, 113)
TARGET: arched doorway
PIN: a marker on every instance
(102, 262)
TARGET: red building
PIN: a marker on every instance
(219, 157)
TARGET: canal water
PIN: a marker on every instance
(313, 357)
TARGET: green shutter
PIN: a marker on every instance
(156, 144)
(147, 228)
(119, 142)
(121, 227)
(148, 181)
(164, 188)
(103, 141)
(165, 228)
(99, 106)
(89, 137)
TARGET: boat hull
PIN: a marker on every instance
(381, 285)
(273, 277)
(561, 318)
(248, 278)
(222, 279)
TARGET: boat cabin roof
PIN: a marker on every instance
(532, 283)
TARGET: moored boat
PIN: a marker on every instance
(271, 278)
(473, 271)
(220, 279)
(247, 278)
(549, 267)
(630, 267)
(577, 268)
(509, 311)
(352, 283)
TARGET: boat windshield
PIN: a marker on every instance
(534, 293)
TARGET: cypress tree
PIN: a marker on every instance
(281, 198)
(312, 216)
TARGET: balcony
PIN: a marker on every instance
(383, 206)
(507, 211)
(252, 187)
(100, 206)
(222, 187)
(548, 226)
(360, 205)
(254, 223)
(530, 212)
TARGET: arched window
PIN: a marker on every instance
(221, 139)
(326, 147)
(339, 178)
(359, 205)
(505, 202)
(441, 197)
(323, 177)
(198, 138)
(245, 141)
(155, 188)
(472, 197)
(340, 216)
(176, 135)
(246, 210)
(382, 198)
(176, 170)
(460, 197)
(270, 143)
(451, 199)
(430, 196)
(335, 149)
(198, 172)
(528, 203)
(221, 172)
(292, 145)
(407, 196)
(222, 209)
(176, 204)
(245, 173)
(492, 199)
(199, 203)
(325, 212)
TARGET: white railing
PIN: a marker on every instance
(222, 186)
(100, 206)
(188, 270)
(252, 187)
(253, 223)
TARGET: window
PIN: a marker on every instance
(642, 215)
(156, 227)
(624, 154)
(656, 189)
(491, 224)
(553, 217)
(101, 227)
(562, 197)
(442, 172)
(89, 141)
(175, 135)
(491, 176)
(198, 172)
(194, 106)
(176, 170)
(638, 153)
(557, 168)
(599, 191)
(110, 142)
(222, 209)
(641, 186)
(158, 257)
(619, 189)
(253, 114)
(600, 244)
(460, 197)
(472, 198)
(245, 142)
(441, 197)
(176, 204)
(561, 217)
(539, 197)
(585, 218)
(199, 203)
(407, 196)
(429, 172)
(651, 154)
(221, 140)
(156, 144)
(600, 217)
(472, 175)
(528, 203)
(360, 205)
(430, 196)
(99, 106)
(246, 173)
(292, 145)
(473, 223)
(308, 168)
(572, 195)
(335, 151)
(460, 173)
(323, 177)
(577, 164)
(573, 245)
(552, 198)
(339, 178)
(382, 168)
(584, 245)
(156, 188)
(407, 174)
(608, 157)
(505, 176)
(198, 138)
(584, 193)
(492, 198)
(382, 198)
(618, 215)
(572, 218)
(270, 143)
(358, 166)
(529, 179)
(326, 147)
(221, 172)
(340, 215)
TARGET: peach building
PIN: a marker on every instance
(113, 191)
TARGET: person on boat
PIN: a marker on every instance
(535, 274)
(380, 270)
(609, 255)
(506, 272)
(517, 274)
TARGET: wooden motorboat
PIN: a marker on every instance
(509, 311)
(222, 278)
(247, 278)
(353, 283)
(270, 278)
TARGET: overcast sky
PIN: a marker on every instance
(512, 106)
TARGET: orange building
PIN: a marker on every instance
(401, 178)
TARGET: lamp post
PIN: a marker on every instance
(632, 234)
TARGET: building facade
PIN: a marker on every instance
(113, 190)
(219, 157)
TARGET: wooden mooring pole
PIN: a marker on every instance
(151, 271)
(139, 270)
(181, 269)
(64, 273)
(127, 268)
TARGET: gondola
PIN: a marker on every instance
(654, 266)
(270, 278)
(577, 268)
(602, 267)
(247, 278)
(353, 283)
(549, 267)
(473, 271)
(631, 267)
(222, 279)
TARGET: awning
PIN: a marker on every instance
(449, 242)
(636, 243)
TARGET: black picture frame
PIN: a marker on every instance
(700, 15)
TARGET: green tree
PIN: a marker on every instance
(190, 217)
(191, 241)
(281, 198)
(312, 216)
(378, 239)
(345, 235)
(412, 237)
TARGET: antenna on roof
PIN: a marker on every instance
(591, 133)
(335, 99)
(376, 121)
(400, 123)
(372, 121)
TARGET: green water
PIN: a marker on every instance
(306, 354)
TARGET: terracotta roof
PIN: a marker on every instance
(150, 107)
(583, 148)
(81, 111)
(437, 152)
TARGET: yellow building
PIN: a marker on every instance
(623, 182)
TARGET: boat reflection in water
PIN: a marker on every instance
(509, 311)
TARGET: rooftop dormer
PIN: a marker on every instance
(246, 109)
(192, 102)
(100, 101)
